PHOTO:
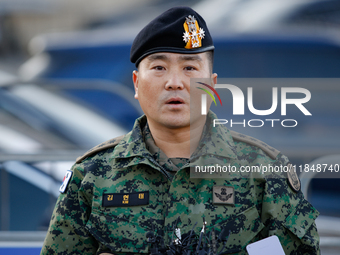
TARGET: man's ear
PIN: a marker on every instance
(135, 82)
(214, 79)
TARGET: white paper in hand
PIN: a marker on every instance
(268, 246)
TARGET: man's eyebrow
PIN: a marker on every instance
(190, 58)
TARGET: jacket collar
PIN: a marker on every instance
(133, 143)
(215, 141)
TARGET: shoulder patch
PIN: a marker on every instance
(105, 145)
(272, 152)
(66, 180)
(293, 179)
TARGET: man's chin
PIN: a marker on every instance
(176, 121)
(177, 124)
(184, 123)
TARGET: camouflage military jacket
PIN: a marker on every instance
(117, 194)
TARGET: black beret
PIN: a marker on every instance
(178, 30)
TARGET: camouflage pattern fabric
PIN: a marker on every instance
(168, 164)
(82, 223)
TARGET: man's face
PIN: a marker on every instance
(162, 86)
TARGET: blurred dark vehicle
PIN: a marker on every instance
(317, 16)
(42, 132)
(43, 117)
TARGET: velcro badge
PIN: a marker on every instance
(125, 199)
(223, 195)
(293, 179)
(66, 180)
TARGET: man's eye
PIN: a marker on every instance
(190, 68)
(158, 68)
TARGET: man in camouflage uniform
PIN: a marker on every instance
(135, 194)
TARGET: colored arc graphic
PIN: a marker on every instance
(208, 92)
(210, 87)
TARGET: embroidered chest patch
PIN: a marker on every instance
(125, 199)
(223, 195)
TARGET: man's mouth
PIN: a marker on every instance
(175, 101)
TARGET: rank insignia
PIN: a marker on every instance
(193, 34)
(293, 179)
(223, 195)
(125, 199)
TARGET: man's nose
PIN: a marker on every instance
(174, 81)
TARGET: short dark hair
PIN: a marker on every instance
(210, 56)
